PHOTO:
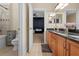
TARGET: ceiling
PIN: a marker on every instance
(72, 6)
(48, 6)
(51, 6)
(5, 4)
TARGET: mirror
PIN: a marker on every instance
(71, 19)
(58, 18)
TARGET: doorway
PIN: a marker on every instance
(8, 29)
(38, 26)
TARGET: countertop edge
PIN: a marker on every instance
(65, 36)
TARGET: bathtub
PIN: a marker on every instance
(2, 41)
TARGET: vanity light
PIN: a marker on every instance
(52, 14)
(61, 6)
(64, 5)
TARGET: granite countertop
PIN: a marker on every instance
(69, 35)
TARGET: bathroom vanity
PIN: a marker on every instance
(62, 44)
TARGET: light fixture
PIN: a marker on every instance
(52, 14)
(61, 6)
(64, 5)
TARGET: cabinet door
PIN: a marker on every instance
(53, 46)
(52, 42)
(49, 39)
(73, 49)
(61, 46)
(67, 48)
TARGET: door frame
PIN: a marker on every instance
(21, 31)
(44, 10)
(30, 27)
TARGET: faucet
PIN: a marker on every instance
(66, 31)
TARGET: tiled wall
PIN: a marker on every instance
(4, 20)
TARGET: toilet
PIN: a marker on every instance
(15, 44)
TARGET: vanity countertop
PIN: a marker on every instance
(69, 35)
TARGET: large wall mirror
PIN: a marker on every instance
(58, 18)
(71, 19)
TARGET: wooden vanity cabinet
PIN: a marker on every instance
(73, 48)
(62, 46)
(56, 44)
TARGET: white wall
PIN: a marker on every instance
(4, 19)
(38, 13)
(14, 16)
(45, 25)
(77, 19)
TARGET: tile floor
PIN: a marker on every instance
(8, 51)
(37, 50)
